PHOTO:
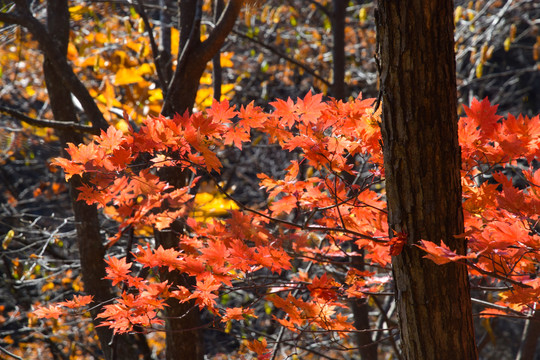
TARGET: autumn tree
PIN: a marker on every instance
(422, 167)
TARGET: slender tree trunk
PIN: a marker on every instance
(194, 54)
(216, 60)
(338, 50)
(184, 336)
(165, 57)
(360, 308)
(422, 165)
(91, 249)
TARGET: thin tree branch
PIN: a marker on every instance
(224, 26)
(10, 18)
(155, 51)
(497, 307)
(294, 225)
(495, 275)
(10, 354)
(321, 7)
(285, 56)
(60, 125)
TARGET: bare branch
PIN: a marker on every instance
(497, 307)
(60, 125)
(10, 354)
(10, 18)
(285, 56)
(155, 52)
(220, 32)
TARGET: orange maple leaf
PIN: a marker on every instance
(118, 269)
(441, 254)
(49, 312)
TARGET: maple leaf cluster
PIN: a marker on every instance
(322, 211)
(121, 175)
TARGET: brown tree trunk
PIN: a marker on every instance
(360, 309)
(338, 49)
(91, 249)
(194, 54)
(422, 164)
(184, 336)
(216, 60)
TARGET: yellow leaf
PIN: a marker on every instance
(100, 38)
(362, 15)
(458, 13)
(479, 70)
(226, 59)
(175, 41)
(155, 95)
(122, 125)
(206, 79)
(47, 286)
(204, 97)
(507, 43)
(109, 94)
(140, 26)
(145, 69)
(126, 76)
(30, 90)
(72, 53)
(7, 239)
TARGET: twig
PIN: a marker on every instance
(284, 56)
(155, 52)
(498, 307)
(497, 276)
(294, 225)
(60, 125)
(10, 354)
(59, 62)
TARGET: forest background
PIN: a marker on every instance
(274, 51)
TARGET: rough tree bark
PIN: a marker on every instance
(216, 60)
(338, 49)
(422, 164)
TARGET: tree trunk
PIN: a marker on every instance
(422, 165)
(338, 90)
(360, 309)
(165, 41)
(194, 54)
(216, 60)
(91, 249)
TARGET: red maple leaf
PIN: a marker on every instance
(484, 115)
(397, 242)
